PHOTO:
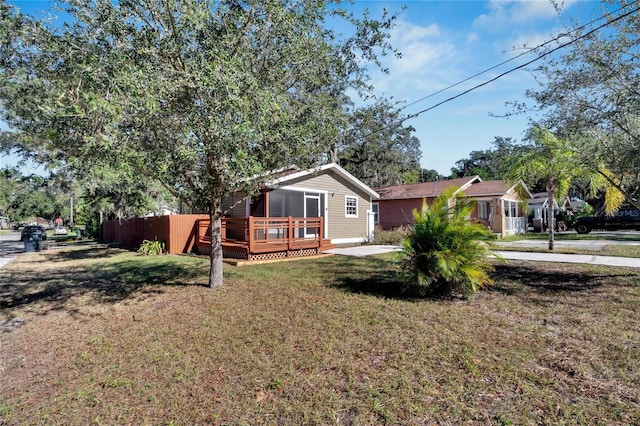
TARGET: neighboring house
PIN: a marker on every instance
(498, 205)
(538, 204)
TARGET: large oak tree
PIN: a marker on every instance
(204, 96)
(377, 148)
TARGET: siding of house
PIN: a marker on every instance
(340, 227)
(396, 213)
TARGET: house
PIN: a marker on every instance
(309, 210)
(498, 204)
(538, 204)
(299, 213)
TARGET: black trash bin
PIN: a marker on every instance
(32, 243)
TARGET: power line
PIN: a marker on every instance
(555, 39)
(624, 15)
(609, 22)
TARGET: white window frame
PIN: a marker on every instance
(347, 199)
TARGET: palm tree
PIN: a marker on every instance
(445, 252)
(553, 161)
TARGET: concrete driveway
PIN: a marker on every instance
(364, 250)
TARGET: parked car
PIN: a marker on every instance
(625, 218)
(33, 229)
(60, 230)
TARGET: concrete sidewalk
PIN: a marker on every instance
(367, 250)
(590, 259)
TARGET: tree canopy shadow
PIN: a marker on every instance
(542, 283)
(372, 275)
(102, 282)
(379, 277)
(83, 251)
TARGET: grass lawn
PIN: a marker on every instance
(100, 335)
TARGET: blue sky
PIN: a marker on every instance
(444, 42)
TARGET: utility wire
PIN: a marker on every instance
(555, 39)
(410, 116)
(588, 33)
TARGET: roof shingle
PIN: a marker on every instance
(423, 189)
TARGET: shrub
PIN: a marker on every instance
(393, 237)
(151, 248)
(445, 252)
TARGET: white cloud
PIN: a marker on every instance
(472, 37)
(509, 13)
(424, 55)
(406, 32)
(530, 40)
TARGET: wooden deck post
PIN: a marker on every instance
(223, 228)
(290, 233)
(250, 235)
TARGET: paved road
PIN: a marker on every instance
(10, 246)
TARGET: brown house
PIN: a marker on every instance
(498, 205)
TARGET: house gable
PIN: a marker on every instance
(495, 189)
(339, 189)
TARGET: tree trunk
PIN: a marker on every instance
(550, 216)
(215, 269)
(333, 152)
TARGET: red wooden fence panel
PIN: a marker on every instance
(178, 232)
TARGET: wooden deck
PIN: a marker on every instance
(263, 238)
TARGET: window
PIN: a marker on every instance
(375, 208)
(351, 206)
(483, 210)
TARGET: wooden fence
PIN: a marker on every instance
(178, 232)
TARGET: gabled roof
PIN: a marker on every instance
(424, 189)
(539, 200)
(493, 188)
(333, 167)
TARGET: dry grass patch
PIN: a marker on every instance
(113, 338)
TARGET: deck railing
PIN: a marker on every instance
(266, 234)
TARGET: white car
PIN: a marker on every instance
(60, 230)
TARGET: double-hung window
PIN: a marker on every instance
(483, 210)
(375, 208)
(350, 206)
